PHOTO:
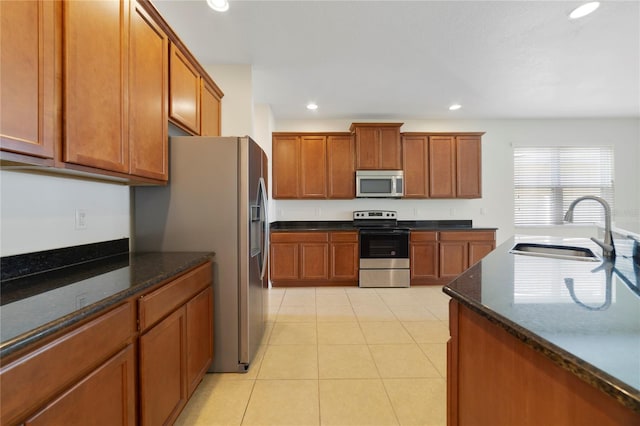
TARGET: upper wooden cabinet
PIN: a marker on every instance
(184, 95)
(313, 166)
(194, 101)
(378, 146)
(95, 82)
(340, 167)
(29, 98)
(468, 167)
(85, 87)
(210, 109)
(286, 162)
(148, 93)
(439, 165)
(415, 158)
(115, 89)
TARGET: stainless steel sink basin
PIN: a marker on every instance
(555, 251)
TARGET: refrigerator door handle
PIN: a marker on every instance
(265, 224)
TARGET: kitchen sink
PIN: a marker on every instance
(555, 251)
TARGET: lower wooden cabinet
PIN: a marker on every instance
(163, 366)
(199, 338)
(344, 256)
(440, 256)
(461, 249)
(176, 352)
(52, 372)
(94, 374)
(424, 256)
(314, 258)
(106, 397)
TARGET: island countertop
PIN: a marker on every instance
(38, 306)
(584, 316)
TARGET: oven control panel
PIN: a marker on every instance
(375, 214)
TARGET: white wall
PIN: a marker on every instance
(236, 83)
(37, 212)
(495, 208)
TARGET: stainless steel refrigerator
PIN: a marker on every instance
(216, 201)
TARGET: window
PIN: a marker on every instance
(548, 179)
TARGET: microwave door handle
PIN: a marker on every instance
(394, 185)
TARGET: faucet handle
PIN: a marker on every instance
(607, 248)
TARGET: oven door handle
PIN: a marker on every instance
(384, 231)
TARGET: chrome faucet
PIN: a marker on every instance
(608, 249)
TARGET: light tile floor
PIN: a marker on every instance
(338, 356)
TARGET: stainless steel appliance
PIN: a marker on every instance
(379, 183)
(384, 249)
(216, 201)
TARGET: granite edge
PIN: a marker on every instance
(613, 387)
(31, 337)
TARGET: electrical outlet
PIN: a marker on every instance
(81, 219)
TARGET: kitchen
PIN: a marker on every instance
(36, 213)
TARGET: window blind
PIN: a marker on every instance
(548, 179)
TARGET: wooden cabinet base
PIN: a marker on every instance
(495, 379)
(106, 397)
(314, 283)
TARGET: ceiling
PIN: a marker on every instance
(412, 59)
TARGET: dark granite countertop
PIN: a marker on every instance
(584, 316)
(36, 306)
(347, 225)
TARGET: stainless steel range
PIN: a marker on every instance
(384, 249)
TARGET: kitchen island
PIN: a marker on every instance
(538, 340)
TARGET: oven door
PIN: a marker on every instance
(384, 243)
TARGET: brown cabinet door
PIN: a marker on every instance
(184, 92)
(199, 337)
(148, 64)
(367, 148)
(442, 176)
(454, 258)
(163, 378)
(284, 261)
(314, 261)
(29, 116)
(345, 257)
(313, 167)
(416, 166)
(106, 397)
(209, 111)
(95, 76)
(479, 249)
(340, 165)
(468, 167)
(286, 154)
(390, 148)
(424, 260)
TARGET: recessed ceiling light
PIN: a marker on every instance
(312, 106)
(584, 10)
(455, 107)
(218, 5)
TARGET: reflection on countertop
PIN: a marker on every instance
(584, 316)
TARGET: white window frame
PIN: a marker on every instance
(547, 179)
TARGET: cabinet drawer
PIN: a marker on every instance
(33, 379)
(161, 302)
(467, 236)
(416, 236)
(344, 237)
(299, 237)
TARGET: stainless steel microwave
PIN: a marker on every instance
(379, 183)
